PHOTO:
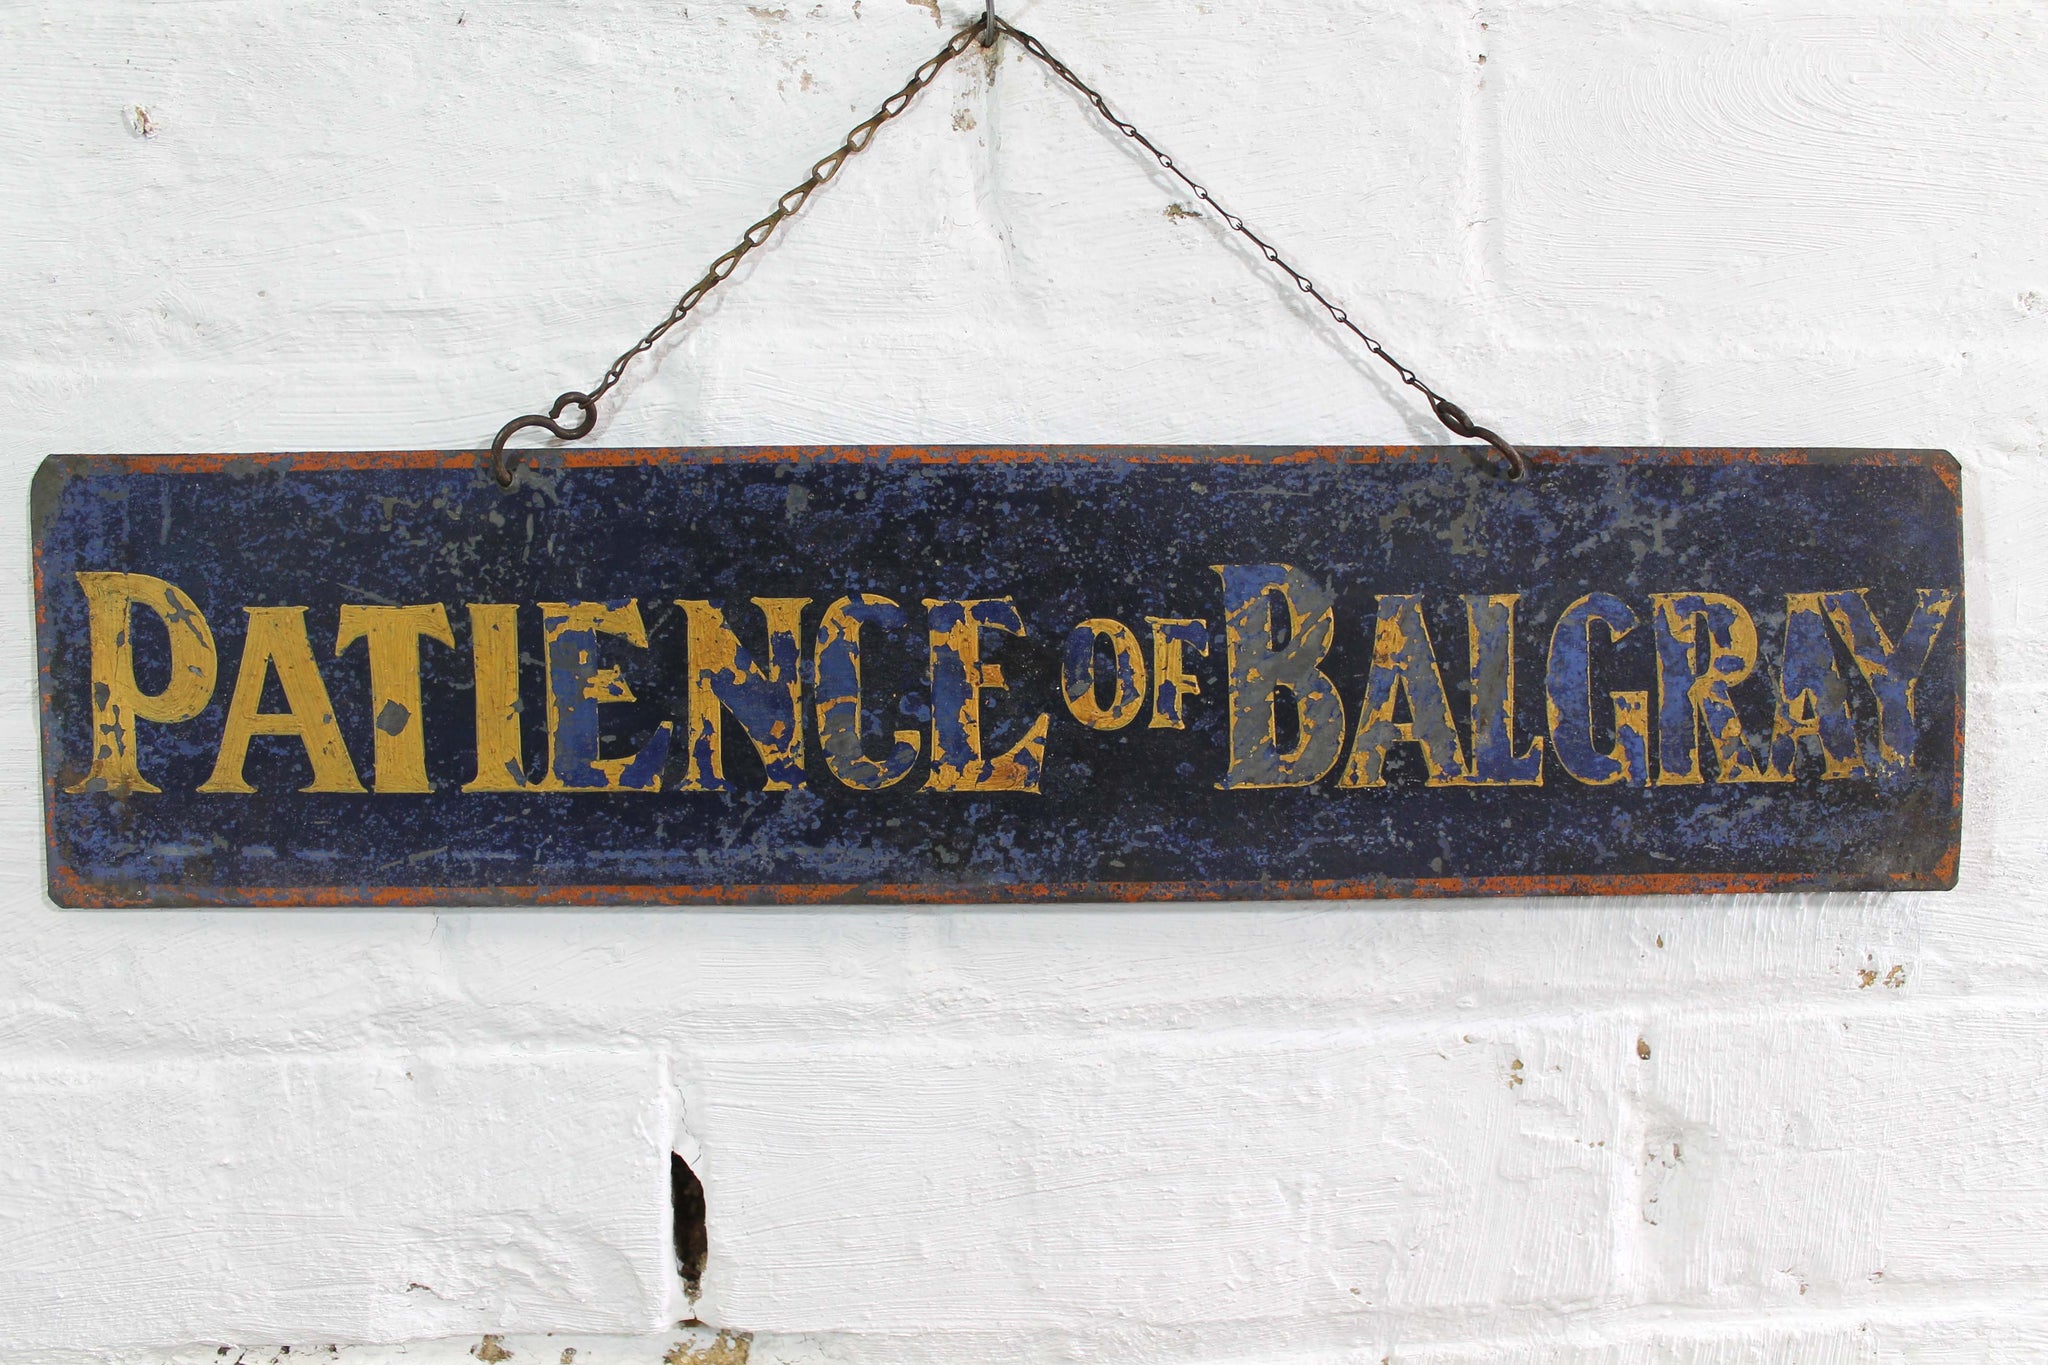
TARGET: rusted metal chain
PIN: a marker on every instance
(984, 30)
(504, 463)
(1450, 414)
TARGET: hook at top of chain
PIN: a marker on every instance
(991, 27)
(1458, 424)
(502, 470)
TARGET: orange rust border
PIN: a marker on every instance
(88, 896)
(71, 891)
(550, 458)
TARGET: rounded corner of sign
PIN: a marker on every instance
(1948, 872)
(1944, 466)
(68, 891)
(46, 489)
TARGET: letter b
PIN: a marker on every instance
(1256, 597)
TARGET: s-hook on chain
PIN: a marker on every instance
(985, 30)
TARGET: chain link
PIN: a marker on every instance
(1447, 412)
(504, 463)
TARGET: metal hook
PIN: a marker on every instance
(505, 463)
(990, 29)
(1453, 417)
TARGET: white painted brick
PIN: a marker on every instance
(939, 245)
(365, 1197)
(1818, 170)
(1976, 1334)
(1840, 1157)
(1154, 1179)
(1984, 1338)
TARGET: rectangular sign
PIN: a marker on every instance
(834, 675)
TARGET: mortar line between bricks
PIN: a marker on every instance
(1924, 1303)
(1005, 1036)
(1531, 1326)
(1001, 1037)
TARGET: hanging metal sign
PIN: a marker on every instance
(1080, 673)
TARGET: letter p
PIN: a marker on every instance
(118, 701)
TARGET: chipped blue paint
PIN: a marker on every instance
(963, 577)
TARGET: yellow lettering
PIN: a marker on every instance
(1892, 671)
(118, 701)
(767, 702)
(1277, 627)
(959, 678)
(1813, 698)
(494, 649)
(277, 639)
(1568, 698)
(1127, 674)
(1692, 688)
(1172, 684)
(838, 701)
(399, 752)
(1403, 661)
(578, 685)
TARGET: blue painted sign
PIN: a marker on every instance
(828, 675)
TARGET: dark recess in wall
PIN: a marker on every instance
(686, 1199)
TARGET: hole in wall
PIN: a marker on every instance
(686, 1201)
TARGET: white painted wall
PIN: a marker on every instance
(1284, 1134)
